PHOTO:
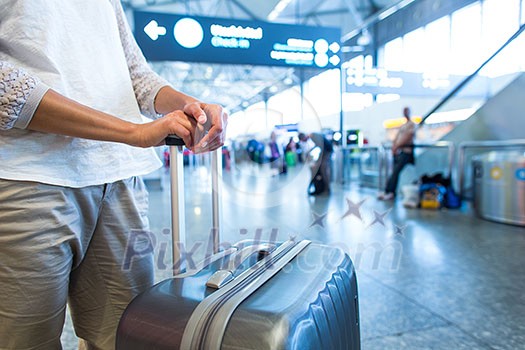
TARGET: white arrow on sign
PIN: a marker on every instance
(153, 30)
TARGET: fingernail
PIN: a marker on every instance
(202, 119)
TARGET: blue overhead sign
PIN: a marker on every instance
(169, 37)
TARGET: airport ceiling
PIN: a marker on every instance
(237, 86)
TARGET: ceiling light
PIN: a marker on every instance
(281, 5)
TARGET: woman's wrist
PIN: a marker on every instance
(169, 100)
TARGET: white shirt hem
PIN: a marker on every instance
(77, 184)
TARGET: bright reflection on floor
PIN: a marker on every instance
(426, 249)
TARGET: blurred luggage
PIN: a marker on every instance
(436, 191)
(410, 195)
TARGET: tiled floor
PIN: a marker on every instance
(427, 279)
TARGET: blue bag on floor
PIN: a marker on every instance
(452, 199)
(446, 195)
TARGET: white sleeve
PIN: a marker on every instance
(146, 83)
(20, 95)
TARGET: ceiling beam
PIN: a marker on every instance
(373, 7)
(230, 8)
(376, 18)
(354, 12)
(309, 14)
(321, 13)
(245, 10)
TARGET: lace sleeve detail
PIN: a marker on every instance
(146, 83)
(20, 94)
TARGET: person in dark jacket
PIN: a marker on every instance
(321, 174)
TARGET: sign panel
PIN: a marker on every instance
(381, 81)
(169, 37)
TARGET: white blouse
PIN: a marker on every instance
(84, 50)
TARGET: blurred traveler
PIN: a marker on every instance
(304, 145)
(73, 145)
(290, 153)
(403, 152)
(321, 155)
(276, 155)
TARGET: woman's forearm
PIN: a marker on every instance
(169, 99)
(60, 115)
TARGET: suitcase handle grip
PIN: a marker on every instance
(224, 276)
(174, 140)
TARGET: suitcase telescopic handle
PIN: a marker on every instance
(178, 221)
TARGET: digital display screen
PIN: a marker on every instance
(169, 37)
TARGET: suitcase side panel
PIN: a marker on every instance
(335, 314)
(312, 303)
(156, 319)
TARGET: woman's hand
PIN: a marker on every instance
(201, 126)
(175, 123)
(211, 130)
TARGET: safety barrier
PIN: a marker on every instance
(384, 160)
(364, 158)
(448, 145)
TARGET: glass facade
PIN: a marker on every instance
(458, 43)
(454, 45)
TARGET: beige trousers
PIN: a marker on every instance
(61, 245)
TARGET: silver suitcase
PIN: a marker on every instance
(255, 295)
